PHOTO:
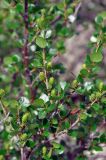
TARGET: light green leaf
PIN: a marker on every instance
(96, 57)
(103, 100)
(8, 60)
(56, 145)
(41, 42)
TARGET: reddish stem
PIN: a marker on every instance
(25, 48)
(25, 51)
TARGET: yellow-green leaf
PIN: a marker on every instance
(41, 42)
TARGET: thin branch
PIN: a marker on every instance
(45, 71)
(23, 156)
(5, 118)
(51, 139)
(56, 20)
(3, 108)
(95, 100)
(77, 9)
(25, 49)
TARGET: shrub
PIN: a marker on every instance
(38, 109)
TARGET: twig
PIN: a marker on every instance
(45, 71)
(23, 157)
(95, 100)
(77, 9)
(25, 49)
(5, 118)
(3, 108)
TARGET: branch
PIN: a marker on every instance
(3, 108)
(5, 118)
(23, 156)
(77, 9)
(25, 50)
(45, 71)
(51, 139)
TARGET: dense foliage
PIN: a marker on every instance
(38, 110)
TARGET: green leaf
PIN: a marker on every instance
(39, 102)
(73, 133)
(50, 153)
(103, 15)
(83, 116)
(19, 8)
(64, 32)
(99, 19)
(36, 63)
(42, 114)
(97, 148)
(51, 108)
(54, 121)
(14, 124)
(81, 158)
(96, 106)
(84, 72)
(103, 100)
(44, 150)
(59, 150)
(103, 138)
(46, 133)
(30, 143)
(41, 42)
(65, 125)
(8, 60)
(60, 6)
(56, 145)
(16, 58)
(2, 92)
(96, 57)
(2, 151)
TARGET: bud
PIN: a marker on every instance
(2, 93)
(23, 136)
(50, 86)
(84, 66)
(1, 157)
(49, 65)
(25, 117)
(42, 76)
(74, 83)
(100, 86)
(92, 97)
(51, 81)
(98, 95)
(44, 150)
(53, 93)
